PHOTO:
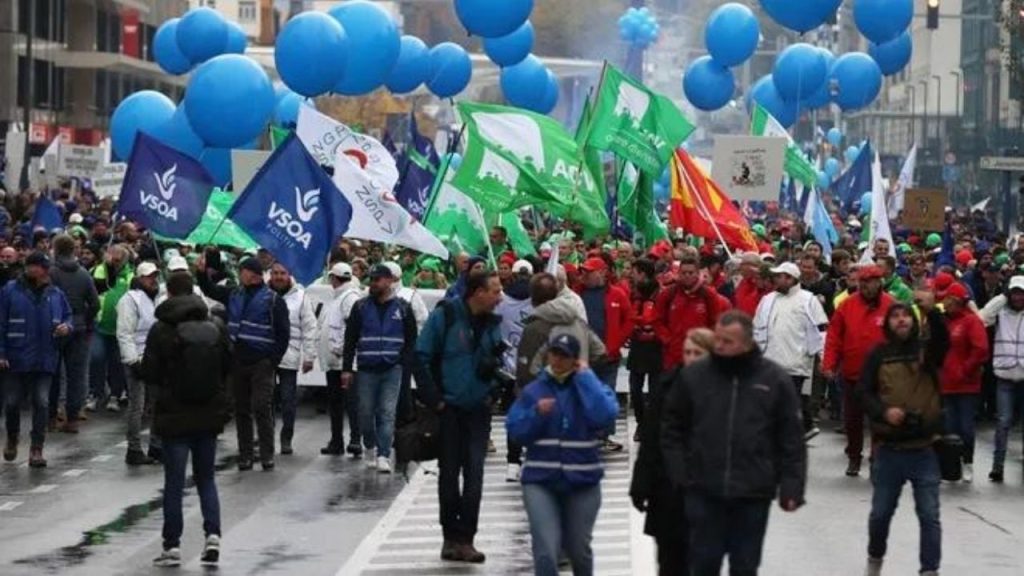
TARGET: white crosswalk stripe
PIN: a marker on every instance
(408, 539)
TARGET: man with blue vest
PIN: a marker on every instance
(260, 330)
(379, 336)
(34, 316)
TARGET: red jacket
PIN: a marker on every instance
(968, 352)
(678, 312)
(854, 330)
(618, 320)
(748, 295)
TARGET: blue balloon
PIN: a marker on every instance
(882, 20)
(165, 49)
(835, 137)
(707, 84)
(310, 53)
(824, 180)
(144, 110)
(765, 94)
(229, 101)
(373, 46)
(865, 204)
(801, 15)
(450, 69)
(551, 93)
(237, 40)
(202, 34)
(217, 162)
(832, 167)
(799, 72)
(280, 91)
(852, 153)
(512, 49)
(525, 84)
(412, 67)
(286, 112)
(178, 134)
(666, 178)
(822, 97)
(732, 34)
(894, 55)
(858, 80)
(493, 18)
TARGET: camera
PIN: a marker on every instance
(492, 369)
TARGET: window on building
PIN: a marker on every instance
(247, 11)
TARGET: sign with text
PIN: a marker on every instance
(79, 161)
(749, 167)
(1003, 163)
(925, 209)
(108, 183)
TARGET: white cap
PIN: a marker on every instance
(75, 218)
(177, 264)
(522, 267)
(146, 269)
(396, 270)
(341, 270)
(768, 257)
(787, 268)
(1016, 283)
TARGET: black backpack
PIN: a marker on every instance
(201, 358)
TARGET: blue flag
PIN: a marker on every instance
(418, 167)
(292, 209)
(856, 181)
(164, 190)
(47, 215)
(945, 256)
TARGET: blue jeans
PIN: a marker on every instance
(890, 470)
(204, 454)
(287, 387)
(959, 412)
(378, 400)
(37, 386)
(1008, 395)
(733, 527)
(562, 521)
(105, 367)
(74, 359)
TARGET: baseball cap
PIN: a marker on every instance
(964, 257)
(38, 259)
(956, 290)
(870, 273)
(341, 270)
(522, 267)
(381, 271)
(752, 258)
(594, 265)
(75, 218)
(566, 344)
(933, 240)
(787, 268)
(942, 281)
(177, 264)
(1017, 283)
(146, 269)
(252, 265)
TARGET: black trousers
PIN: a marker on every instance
(342, 403)
(464, 435)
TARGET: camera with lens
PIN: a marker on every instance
(491, 368)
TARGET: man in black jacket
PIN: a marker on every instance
(732, 435)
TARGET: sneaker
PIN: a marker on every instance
(611, 446)
(11, 450)
(853, 469)
(267, 465)
(371, 458)
(113, 406)
(968, 475)
(383, 465)
(491, 448)
(137, 458)
(211, 552)
(90, 405)
(35, 457)
(467, 553)
(513, 472)
(811, 433)
(874, 567)
(332, 450)
(244, 465)
(168, 558)
(286, 447)
(996, 475)
(355, 450)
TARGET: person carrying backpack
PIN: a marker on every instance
(187, 360)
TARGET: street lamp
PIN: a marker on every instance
(959, 88)
(938, 112)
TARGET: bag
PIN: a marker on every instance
(950, 450)
(417, 441)
(200, 366)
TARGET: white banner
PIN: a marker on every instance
(324, 137)
(15, 156)
(244, 166)
(749, 167)
(110, 179)
(79, 161)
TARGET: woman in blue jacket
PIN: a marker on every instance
(559, 418)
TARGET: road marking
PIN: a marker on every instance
(102, 458)
(43, 489)
(121, 444)
(8, 506)
(75, 472)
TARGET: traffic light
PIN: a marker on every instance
(933, 14)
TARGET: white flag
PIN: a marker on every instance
(879, 214)
(981, 206)
(324, 137)
(376, 215)
(899, 195)
(49, 162)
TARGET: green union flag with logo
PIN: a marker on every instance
(515, 158)
(639, 125)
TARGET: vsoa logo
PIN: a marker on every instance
(160, 202)
(306, 205)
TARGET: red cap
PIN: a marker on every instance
(941, 282)
(957, 290)
(594, 265)
(570, 268)
(508, 258)
(870, 273)
(964, 257)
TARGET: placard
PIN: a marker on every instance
(925, 209)
(79, 161)
(108, 183)
(749, 167)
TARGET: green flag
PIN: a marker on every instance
(518, 237)
(762, 123)
(639, 125)
(457, 220)
(514, 158)
(635, 196)
(589, 208)
(277, 136)
(215, 229)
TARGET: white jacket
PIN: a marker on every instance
(412, 296)
(1008, 351)
(786, 328)
(136, 314)
(303, 340)
(333, 319)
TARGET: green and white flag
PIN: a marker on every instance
(518, 237)
(515, 158)
(215, 229)
(457, 220)
(635, 197)
(639, 125)
(762, 123)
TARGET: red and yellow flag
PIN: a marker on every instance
(698, 206)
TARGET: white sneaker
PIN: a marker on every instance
(112, 405)
(383, 465)
(370, 456)
(168, 559)
(874, 567)
(968, 474)
(513, 472)
(90, 405)
(211, 552)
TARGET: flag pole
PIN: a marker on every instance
(441, 173)
(703, 209)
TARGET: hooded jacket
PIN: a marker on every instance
(548, 320)
(79, 289)
(968, 352)
(332, 324)
(855, 328)
(679, 311)
(302, 324)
